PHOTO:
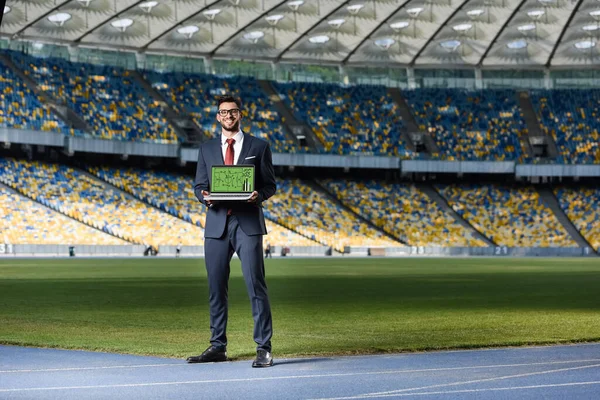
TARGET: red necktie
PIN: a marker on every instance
(229, 159)
(229, 154)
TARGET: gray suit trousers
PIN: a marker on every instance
(218, 253)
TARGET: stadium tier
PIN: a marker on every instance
(160, 208)
(582, 206)
(467, 125)
(174, 194)
(109, 100)
(482, 125)
(352, 120)
(572, 118)
(20, 108)
(403, 211)
(24, 221)
(509, 216)
(195, 95)
(89, 200)
(304, 209)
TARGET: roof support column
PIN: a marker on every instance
(343, 74)
(275, 70)
(547, 80)
(410, 76)
(73, 53)
(478, 78)
(209, 66)
(140, 60)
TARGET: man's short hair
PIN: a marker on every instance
(229, 99)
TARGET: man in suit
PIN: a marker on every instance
(235, 227)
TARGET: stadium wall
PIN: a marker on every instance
(496, 251)
(51, 250)
(30, 250)
(71, 145)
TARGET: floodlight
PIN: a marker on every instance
(188, 31)
(59, 18)
(122, 24)
(385, 43)
(517, 44)
(320, 39)
(254, 36)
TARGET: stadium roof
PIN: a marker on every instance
(429, 33)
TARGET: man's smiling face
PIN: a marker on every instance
(229, 116)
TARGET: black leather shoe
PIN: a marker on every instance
(212, 354)
(263, 359)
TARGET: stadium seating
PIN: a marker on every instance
(311, 213)
(571, 117)
(477, 125)
(582, 206)
(402, 210)
(22, 109)
(108, 99)
(174, 194)
(352, 120)
(169, 192)
(23, 221)
(509, 216)
(88, 200)
(467, 125)
(195, 94)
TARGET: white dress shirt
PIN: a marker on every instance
(237, 146)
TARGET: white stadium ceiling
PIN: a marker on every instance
(427, 33)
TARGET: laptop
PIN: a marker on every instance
(231, 182)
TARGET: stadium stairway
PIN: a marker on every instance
(411, 123)
(320, 188)
(533, 127)
(290, 122)
(70, 117)
(187, 131)
(54, 208)
(552, 203)
(435, 196)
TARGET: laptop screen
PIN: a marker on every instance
(232, 179)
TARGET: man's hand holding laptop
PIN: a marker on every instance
(204, 195)
(254, 197)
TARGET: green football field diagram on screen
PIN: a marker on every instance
(232, 179)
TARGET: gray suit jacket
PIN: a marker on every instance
(250, 215)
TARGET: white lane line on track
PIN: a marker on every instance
(13, 371)
(273, 378)
(394, 371)
(400, 392)
(465, 391)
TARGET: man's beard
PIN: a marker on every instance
(234, 128)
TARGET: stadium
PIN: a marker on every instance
(437, 166)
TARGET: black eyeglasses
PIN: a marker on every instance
(234, 112)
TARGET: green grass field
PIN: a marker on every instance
(320, 306)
